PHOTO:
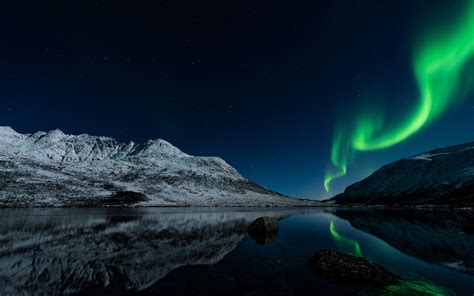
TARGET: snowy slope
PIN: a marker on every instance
(55, 169)
(441, 177)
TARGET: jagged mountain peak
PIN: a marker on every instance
(8, 132)
(160, 146)
(56, 145)
(56, 169)
(56, 133)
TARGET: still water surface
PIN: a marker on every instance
(203, 251)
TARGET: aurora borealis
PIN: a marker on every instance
(151, 136)
(439, 66)
(268, 87)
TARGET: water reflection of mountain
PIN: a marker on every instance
(50, 252)
(435, 236)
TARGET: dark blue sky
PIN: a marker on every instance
(258, 83)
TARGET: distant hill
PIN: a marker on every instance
(443, 176)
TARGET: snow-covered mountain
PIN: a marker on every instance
(56, 169)
(440, 177)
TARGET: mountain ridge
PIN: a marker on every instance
(443, 176)
(56, 169)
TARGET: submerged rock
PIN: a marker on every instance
(264, 230)
(332, 264)
(263, 224)
(264, 238)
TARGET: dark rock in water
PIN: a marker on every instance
(263, 224)
(264, 238)
(332, 264)
(264, 230)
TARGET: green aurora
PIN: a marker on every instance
(338, 238)
(418, 287)
(439, 64)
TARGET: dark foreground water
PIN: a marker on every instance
(208, 251)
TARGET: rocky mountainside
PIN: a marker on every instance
(440, 177)
(56, 169)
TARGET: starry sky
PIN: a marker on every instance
(258, 83)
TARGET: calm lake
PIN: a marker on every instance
(189, 251)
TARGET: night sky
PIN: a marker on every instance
(258, 83)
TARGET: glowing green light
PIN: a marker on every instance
(418, 287)
(339, 158)
(357, 251)
(438, 65)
